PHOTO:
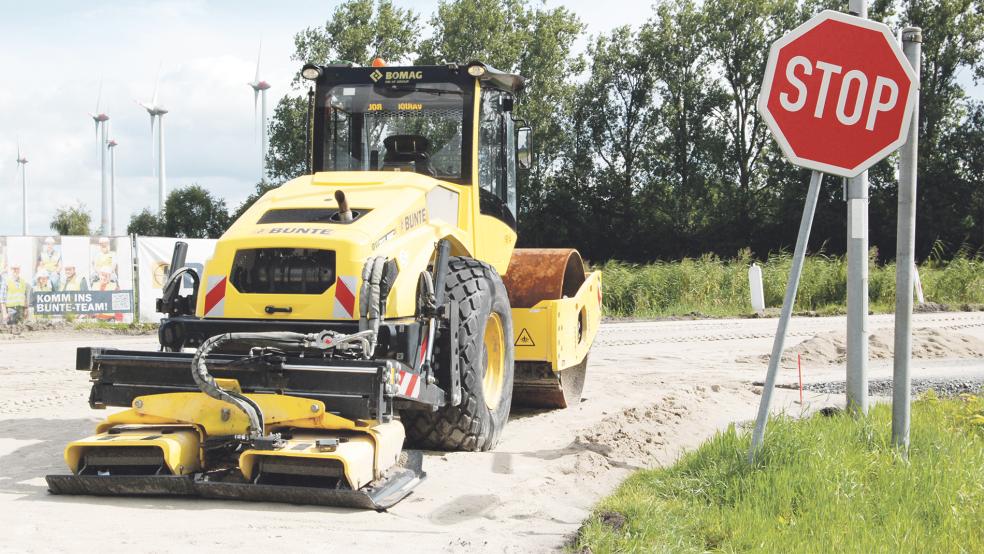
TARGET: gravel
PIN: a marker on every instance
(883, 387)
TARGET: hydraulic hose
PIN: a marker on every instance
(373, 314)
(206, 383)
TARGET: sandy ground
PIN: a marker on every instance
(653, 390)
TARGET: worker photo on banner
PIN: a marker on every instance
(111, 270)
(3, 257)
(49, 263)
(104, 260)
(17, 283)
(75, 254)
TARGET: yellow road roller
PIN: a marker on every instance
(351, 318)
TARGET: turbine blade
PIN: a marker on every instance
(99, 94)
(157, 83)
(258, 56)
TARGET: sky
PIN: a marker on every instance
(55, 53)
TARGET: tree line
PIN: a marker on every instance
(648, 143)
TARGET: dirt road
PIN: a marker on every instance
(653, 389)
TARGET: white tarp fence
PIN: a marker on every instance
(154, 263)
(92, 277)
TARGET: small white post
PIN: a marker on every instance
(755, 286)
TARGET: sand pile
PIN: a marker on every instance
(630, 439)
(831, 348)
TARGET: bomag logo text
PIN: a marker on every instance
(404, 75)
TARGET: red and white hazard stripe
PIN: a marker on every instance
(215, 291)
(407, 384)
(345, 288)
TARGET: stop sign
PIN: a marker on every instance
(838, 93)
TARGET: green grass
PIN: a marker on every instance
(823, 484)
(711, 286)
(135, 328)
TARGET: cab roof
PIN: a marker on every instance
(492, 77)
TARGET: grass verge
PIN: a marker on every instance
(135, 328)
(823, 484)
(711, 286)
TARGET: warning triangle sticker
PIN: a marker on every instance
(525, 339)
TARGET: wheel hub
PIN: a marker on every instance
(494, 358)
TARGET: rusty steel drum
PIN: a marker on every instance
(537, 274)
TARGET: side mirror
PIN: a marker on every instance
(524, 147)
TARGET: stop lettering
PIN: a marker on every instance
(837, 94)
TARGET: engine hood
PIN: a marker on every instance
(382, 202)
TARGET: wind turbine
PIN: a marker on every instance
(111, 146)
(156, 112)
(260, 88)
(102, 122)
(22, 162)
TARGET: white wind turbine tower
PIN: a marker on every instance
(260, 90)
(102, 122)
(22, 162)
(156, 112)
(111, 146)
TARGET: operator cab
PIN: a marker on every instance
(422, 119)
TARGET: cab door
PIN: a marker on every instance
(495, 230)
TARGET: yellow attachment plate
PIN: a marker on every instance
(218, 418)
(356, 455)
(180, 445)
(365, 456)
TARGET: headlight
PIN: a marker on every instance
(476, 70)
(311, 72)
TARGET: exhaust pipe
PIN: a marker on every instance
(344, 213)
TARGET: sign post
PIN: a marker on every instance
(857, 276)
(834, 111)
(905, 258)
(792, 285)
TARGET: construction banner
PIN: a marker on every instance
(34, 269)
(154, 264)
(87, 302)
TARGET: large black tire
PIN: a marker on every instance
(472, 425)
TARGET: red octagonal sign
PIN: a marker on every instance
(838, 94)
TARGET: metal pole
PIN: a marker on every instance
(857, 278)
(104, 213)
(799, 255)
(905, 256)
(161, 181)
(112, 189)
(24, 192)
(308, 152)
(263, 134)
